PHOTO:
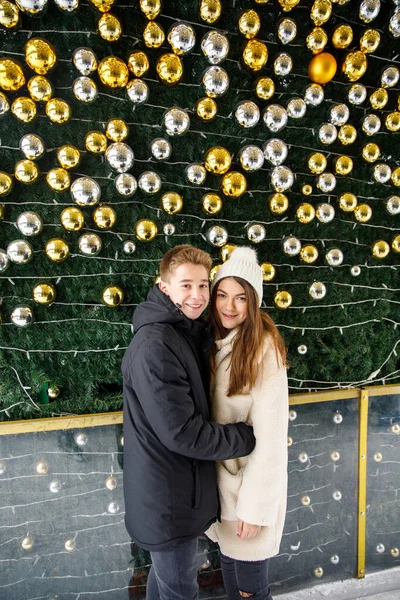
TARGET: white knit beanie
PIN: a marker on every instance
(242, 263)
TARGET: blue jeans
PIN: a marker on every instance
(251, 578)
(173, 575)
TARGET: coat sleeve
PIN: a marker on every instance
(264, 486)
(160, 382)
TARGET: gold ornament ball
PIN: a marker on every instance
(392, 121)
(395, 177)
(255, 55)
(96, 142)
(138, 63)
(109, 27)
(68, 156)
(278, 203)
(265, 88)
(5, 183)
(9, 14)
(104, 217)
(355, 65)
(347, 134)
(283, 299)
(172, 203)
(117, 130)
(58, 110)
(249, 23)
(347, 202)
(342, 36)
(57, 250)
(317, 40)
(150, 8)
(72, 219)
(396, 243)
(210, 10)
(53, 391)
(308, 254)
(169, 68)
(305, 213)
(1, 212)
(113, 72)
(11, 75)
(4, 104)
(380, 249)
(226, 251)
(371, 152)
(379, 98)
(153, 35)
(322, 68)
(40, 88)
(370, 41)
(233, 184)
(214, 271)
(363, 213)
(58, 179)
(321, 11)
(146, 230)
(26, 171)
(268, 271)
(112, 296)
(44, 293)
(287, 5)
(40, 56)
(317, 163)
(217, 160)
(206, 108)
(24, 109)
(343, 165)
(102, 5)
(211, 204)
(306, 190)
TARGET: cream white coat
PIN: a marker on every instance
(253, 488)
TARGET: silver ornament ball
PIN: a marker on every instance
(90, 244)
(314, 94)
(256, 233)
(281, 178)
(138, 91)
(291, 245)
(275, 117)
(85, 61)
(67, 5)
(393, 205)
(283, 64)
(339, 114)
(275, 151)
(85, 191)
(125, 184)
(334, 257)
(215, 81)
(129, 247)
(120, 157)
(302, 349)
(29, 223)
(176, 121)
(169, 229)
(287, 30)
(217, 236)
(355, 271)
(296, 108)
(22, 316)
(317, 290)
(326, 182)
(160, 148)
(32, 146)
(357, 94)
(19, 251)
(371, 124)
(32, 7)
(85, 89)
(196, 174)
(251, 158)
(325, 212)
(382, 173)
(149, 182)
(369, 10)
(215, 47)
(390, 77)
(327, 133)
(4, 260)
(4, 105)
(247, 114)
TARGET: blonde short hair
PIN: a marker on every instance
(180, 255)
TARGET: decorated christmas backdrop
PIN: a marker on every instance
(130, 127)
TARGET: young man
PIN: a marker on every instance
(170, 444)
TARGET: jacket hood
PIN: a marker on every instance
(158, 308)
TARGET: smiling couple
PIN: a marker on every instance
(205, 425)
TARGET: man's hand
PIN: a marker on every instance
(246, 531)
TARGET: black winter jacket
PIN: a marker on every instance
(170, 445)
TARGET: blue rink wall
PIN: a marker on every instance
(62, 534)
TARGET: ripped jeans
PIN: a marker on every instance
(248, 577)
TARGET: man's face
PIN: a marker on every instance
(188, 286)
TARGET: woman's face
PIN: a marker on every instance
(231, 303)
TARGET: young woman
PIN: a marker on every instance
(249, 383)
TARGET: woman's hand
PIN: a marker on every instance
(246, 531)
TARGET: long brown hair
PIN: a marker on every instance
(248, 342)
